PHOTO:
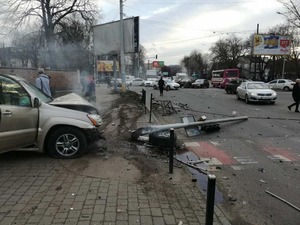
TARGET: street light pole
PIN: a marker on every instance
(283, 67)
(122, 56)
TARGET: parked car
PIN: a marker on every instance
(149, 82)
(200, 83)
(137, 82)
(253, 91)
(169, 85)
(281, 84)
(232, 85)
(183, 82)
(62, 127)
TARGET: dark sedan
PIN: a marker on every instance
(232, 85)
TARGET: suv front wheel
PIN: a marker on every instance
(67, 143)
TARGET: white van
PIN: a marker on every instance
(180, 76)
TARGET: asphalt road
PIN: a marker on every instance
(262, 154)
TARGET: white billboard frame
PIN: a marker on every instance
(270, 44)
(106, 37)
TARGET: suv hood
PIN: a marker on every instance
(75, 102)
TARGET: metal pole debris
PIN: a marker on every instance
(192, 166)
(210, 200)
(171, 152)
(290, 204)
(155, 128)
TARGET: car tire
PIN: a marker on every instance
(286, 89)
(154, 86)
(161, 138)
(167, 88)
(228, 91)
(247, 99)
(66, 143)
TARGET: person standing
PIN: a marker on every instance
(43, 82)
(296, 95)
(90, 89)
(161, 85)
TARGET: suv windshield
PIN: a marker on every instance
(37, 92)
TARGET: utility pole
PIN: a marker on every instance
(122, 56)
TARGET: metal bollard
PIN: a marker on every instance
(210, 199)
(150, 113)
(171, 153)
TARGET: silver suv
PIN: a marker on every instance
(62, 127)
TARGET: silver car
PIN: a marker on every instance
(281, 84)
(253, 91)
(29, 119)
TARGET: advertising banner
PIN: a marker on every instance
(106, 37)
(106, 66)
(158, 64)
(267, 44)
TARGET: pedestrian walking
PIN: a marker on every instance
(296, 96)
(161, 85)
(90, 89)
(42, 82)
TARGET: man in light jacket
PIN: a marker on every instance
(43, 82)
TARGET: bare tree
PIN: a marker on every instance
(194, 63)
(226, 52)
(136, 61)
(27, 47)
(292, 13)
(49, 14)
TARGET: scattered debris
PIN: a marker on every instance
(165, 106)
(232, 199)
(261, 170)
(290, 204)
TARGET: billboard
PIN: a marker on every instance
(106, 66)
(106, 37)
(158, 64)
(269, 44)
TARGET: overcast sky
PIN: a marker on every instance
(172, 29)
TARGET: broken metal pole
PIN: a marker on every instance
(156, 128)
(210, 199)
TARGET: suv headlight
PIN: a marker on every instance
(95, 119)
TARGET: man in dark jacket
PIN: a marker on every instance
(161, 84)
(296, 95)
(90, 89)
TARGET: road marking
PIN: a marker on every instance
(279, 157)
(284, 153)
(245, 160)
(208, 150)
(238, 168)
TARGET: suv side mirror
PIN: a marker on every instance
(36, 103)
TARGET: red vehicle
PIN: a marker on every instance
(220, 78)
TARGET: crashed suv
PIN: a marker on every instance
(29, 119)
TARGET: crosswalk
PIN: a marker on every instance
(212, 154)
